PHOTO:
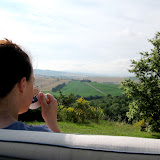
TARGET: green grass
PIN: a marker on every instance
(103, 128)
(84, 90)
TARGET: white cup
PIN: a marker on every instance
(35, 103)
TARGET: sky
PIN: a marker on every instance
(91, 36)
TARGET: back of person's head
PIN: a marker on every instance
(14, 65)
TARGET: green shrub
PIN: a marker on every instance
(80, 112)
(61, 113)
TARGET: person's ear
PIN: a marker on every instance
(22, 84)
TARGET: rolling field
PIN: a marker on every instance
(89, 89)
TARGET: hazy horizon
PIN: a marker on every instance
(76, 73)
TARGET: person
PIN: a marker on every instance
(16, 91)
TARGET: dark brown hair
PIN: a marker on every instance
(14, 65)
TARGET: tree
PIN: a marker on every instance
(113, 107)
(66, 100)
(146, 91)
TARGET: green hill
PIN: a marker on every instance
(90, 89)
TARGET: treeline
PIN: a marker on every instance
(83, 109)
(114, 107)
(58, 87)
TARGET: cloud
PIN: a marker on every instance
(118, 67)
(98, 35)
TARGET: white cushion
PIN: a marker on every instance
(59, 146)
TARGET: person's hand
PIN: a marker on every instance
(49, 111)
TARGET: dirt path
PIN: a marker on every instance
(95, 88)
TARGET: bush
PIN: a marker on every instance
(61, 113)
(80, 112)
(66, 100)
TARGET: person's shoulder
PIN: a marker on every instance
(42, 128)
(17, 125)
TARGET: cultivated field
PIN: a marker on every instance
(47, 83)
(99, 86)
(89, 89)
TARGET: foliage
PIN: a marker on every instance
(145, 92)
(58, 87)
(66, 100)
(31, 115)
(89, 98)
(80, 112)
(114, 108)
